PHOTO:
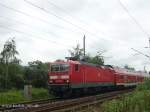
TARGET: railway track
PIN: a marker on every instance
(69, 104)
(27, 104)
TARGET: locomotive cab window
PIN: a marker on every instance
(76, 67)
(59, 68)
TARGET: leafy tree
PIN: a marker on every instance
(76, 52)
(36, 73)
(9, 52)
(13, 75)
(96, 60)
(9, 65)
(16, 79)
(2, 76)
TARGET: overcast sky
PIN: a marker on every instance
(48, 33)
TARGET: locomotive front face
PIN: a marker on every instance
(59, 74)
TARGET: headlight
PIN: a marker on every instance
(51, 81)
(67, 81)
(65, 77)
(53, 77)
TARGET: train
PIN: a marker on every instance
(79, 77)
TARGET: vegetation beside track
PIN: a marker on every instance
(138, 101)
(17, 96)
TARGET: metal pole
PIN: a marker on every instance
(149, 42)
(84, 58)
(84, 46)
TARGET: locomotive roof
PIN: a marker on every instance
(66, 62)
(81, 62)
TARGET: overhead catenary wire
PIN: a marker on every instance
(141, 53)
(25, 13)
(27, 25)
(63, 19)
(31, 16)
(63, 10)
(21, 12)
(133, 18)
(37, 18)
(18, 31)
(138, 24)
(40, 20)
(69, 14)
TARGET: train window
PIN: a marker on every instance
(55, 68)
(64, 67)
(59, 67)
(76, 67)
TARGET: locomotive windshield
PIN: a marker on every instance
(59, 67)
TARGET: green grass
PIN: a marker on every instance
(17, 96)
(138, 101)
(12, 96)
(40, 93)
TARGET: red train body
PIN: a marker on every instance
(73, 76)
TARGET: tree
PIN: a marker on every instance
(76, 52)
(36, 73)
(9, 52)
(8, 61)
(15, 76)
(97, 59)
(2, 76)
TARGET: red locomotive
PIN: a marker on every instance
(75, 77)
